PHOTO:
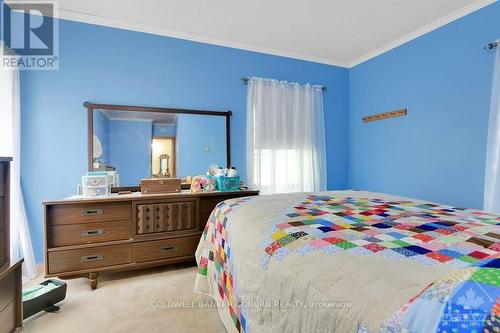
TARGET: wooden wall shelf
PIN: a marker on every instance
(385, 115)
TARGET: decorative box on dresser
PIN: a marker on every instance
(124, 232)
(11, 307)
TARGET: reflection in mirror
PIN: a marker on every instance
(153, 144)
(163, 156)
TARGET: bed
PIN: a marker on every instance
(350, 261)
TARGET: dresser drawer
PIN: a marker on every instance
(83, 213)
(8, 318)
(83, 233)
(100, 256)
(7, 289)
(165, 249)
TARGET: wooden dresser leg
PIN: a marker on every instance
(93, 280)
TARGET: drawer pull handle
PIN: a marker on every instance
(97, 257)
(161, 182)
(95, 232)
(92, 212)
(168, 248)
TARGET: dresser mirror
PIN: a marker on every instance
(146, 142)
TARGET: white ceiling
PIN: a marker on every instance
(336, 32)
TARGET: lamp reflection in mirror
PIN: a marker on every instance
(164, 165)
(97, 153)
(163, 159)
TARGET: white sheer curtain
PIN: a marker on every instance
(492, 175)
(285, 137)
(10, 145)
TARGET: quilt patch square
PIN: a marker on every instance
(417, 249)
(468, 259)
(450, 253)
(493, 263)
(346, 245)
(389, 244)
(444, 231)
(298, 234)
(319, 243)
(359, 229)
(283, 241)
(396, 235)
(427, 227)
(333, 240)
(400, 243)
(372, 239)
(405, 251)
(495, 247)
(480, 241)
(478, 255)
(446, 223)
(326, 229)
(296, 223)
(374, 247)
(316, 212)
(493, 235)
(272, 248)
(487, 275)
(423, 237)
(381, 225)
(439, 257)
(279, 234)
(416, 230)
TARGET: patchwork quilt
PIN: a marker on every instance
(350, 261)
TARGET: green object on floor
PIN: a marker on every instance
(31, 289)
(37, 290)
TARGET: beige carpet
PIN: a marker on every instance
(137, 301)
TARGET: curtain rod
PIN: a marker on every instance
(492, 45)
(246, 79)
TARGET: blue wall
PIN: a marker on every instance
(438, 151)
(165, 129)
(193, 133)
(116, 66)
(130, 149)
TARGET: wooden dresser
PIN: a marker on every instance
(126, 232)
(11, 306)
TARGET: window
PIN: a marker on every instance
(286, 133)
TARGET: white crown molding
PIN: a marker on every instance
(161, 31)
(422, 31)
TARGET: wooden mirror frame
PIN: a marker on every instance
(94, 106)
